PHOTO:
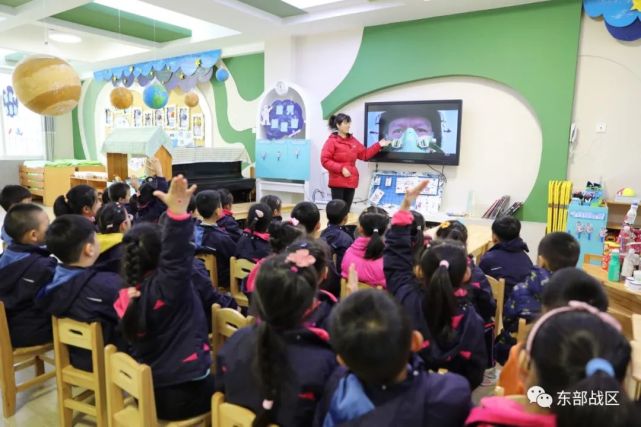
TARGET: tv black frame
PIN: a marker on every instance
(420, 158)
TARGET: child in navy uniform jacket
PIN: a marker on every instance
(79, 290)
(556, 250)
(254, 243)
(12, 195)
(149, 208)
(335, 235)
(161, 315)
(25, 266)
(292, 362)
(210, 237)
(508, 258)
(380, 382)
(227, 221)
(453, 332)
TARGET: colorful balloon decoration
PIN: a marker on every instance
(46, 85)
(155, 96)
(121, 98)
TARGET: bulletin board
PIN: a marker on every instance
(387, 190)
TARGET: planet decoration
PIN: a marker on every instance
(155, 96)
(191, 99)
(121, 98)
(222, 74)
(46, 85)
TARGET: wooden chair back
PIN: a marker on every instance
(626, 323)
(224, 322)
(13, 360)
(361, 285)
(225, 414)
(498, 291)
(523, 329)
(211, 265)
(238, 270)
(71, 333)
(636, 327)
(138, 409)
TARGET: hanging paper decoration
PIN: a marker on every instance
(622, 17)
(184, 72)
(155, 96)
(121, 98)
(10, 102)
(46, 85)
(191, 99)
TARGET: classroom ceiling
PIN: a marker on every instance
(100, 34)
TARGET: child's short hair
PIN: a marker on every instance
(559, 250)
(20, 219)
(506, 228)
(146, 192)
(336, 211)
(75, 200)
(226, 198)
(207, 202)
(110, 217)
(117, 191)
(272, 201)
(67, 235)
(307, 214)
(283, 234)
(12, 194)
(371, 332)
(453, 230)
(572, 284)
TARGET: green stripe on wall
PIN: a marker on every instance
(533, 49)
(78, 151)
(248, 72)
(13, 3)
(229, 134)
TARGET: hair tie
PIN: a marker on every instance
(293, 221)
(109, 226)
(375, 230)
(301, 258)
(259, 213)
(268, 404)
(444, 263)
(445, 224)
(599, 364)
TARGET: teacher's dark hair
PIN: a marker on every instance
(337, 119)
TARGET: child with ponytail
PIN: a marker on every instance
(574, 350)
(452, 329)
(160, 311)
(278, 368)
(367, 250)
(80, 200)
(253, 245)
(112, 221)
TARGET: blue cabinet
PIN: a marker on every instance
(588, 224)
(283, 159)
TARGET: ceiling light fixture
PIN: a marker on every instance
(64, 37)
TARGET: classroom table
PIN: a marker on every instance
(621, 299)
(479, 239)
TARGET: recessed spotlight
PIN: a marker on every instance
(64, 37)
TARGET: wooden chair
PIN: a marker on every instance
(361, 285)
(211, 265)
(592, 259)
(238, 270)
(125, 375)
(225, 414)
(16, 359)
(636, 327)
(626, 323)
(498, 291)
(522, 331)
(224, 322)
(71, 333)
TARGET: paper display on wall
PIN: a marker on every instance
(388, 189)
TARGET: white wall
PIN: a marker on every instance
(607, 89)
(63, 137)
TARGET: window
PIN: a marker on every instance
(21, 130)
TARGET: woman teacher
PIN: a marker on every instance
(339, 157)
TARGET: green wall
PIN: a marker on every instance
(532, 49)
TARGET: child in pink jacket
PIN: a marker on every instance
(367, 250)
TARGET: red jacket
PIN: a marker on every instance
(339, 152)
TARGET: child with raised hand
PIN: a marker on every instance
(160, 311)
(367, 250)
(79, 289)
(80, 200)
(507, 258)
(278, 368)
(575, 350)
(227, 221)
(381, 382)
(113, 221)
(9, 196)
(25, 266)
(452, 329)
(335, 234)
(254, 243)
(210, 237)
(565, 285)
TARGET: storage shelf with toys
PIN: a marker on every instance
(616, 214)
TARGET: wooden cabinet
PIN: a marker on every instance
(616, 214)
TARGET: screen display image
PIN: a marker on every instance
(425, 132)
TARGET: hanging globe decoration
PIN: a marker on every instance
(121, 98)
(46, 85)
(222, 74)
(191, 99)
(155, 96)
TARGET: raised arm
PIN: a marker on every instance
(368, 153)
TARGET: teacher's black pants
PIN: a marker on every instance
(345, 194)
